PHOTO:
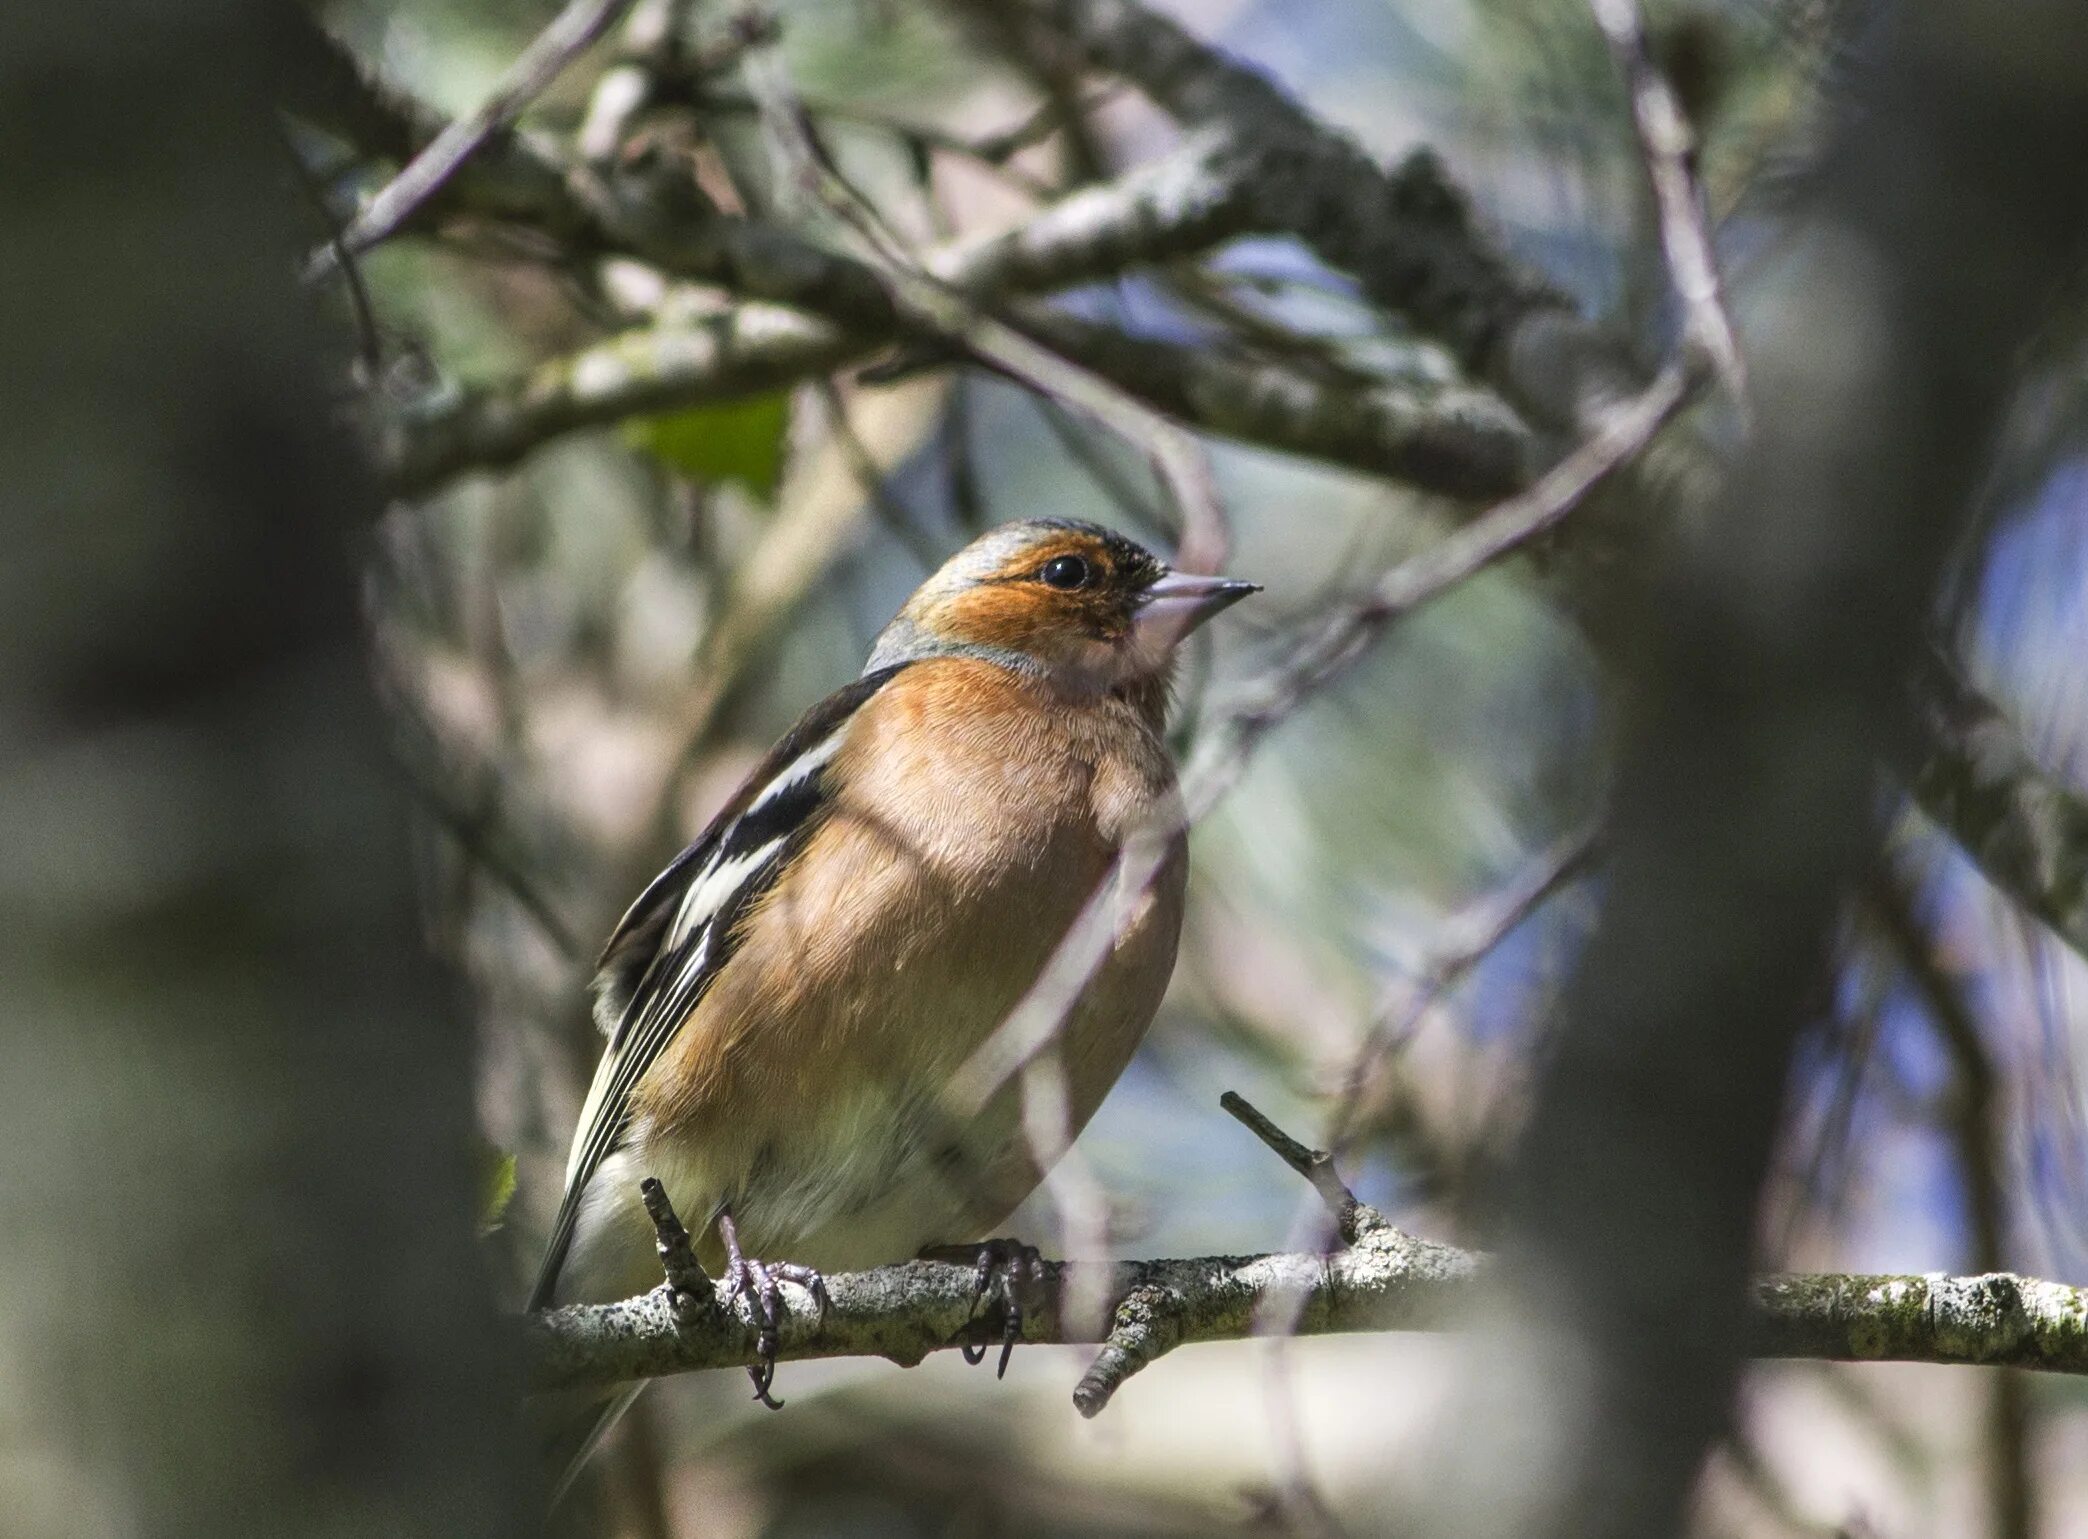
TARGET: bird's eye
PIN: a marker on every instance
(1066, 572)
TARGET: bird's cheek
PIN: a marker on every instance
(1142, 653)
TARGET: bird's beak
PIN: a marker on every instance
(1181, 601)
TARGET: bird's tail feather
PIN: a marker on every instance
(573, 1430)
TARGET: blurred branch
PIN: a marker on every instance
(1407, 234)
(1668, 145)
(1180, 205)
(645, 209)
(1455, 440)
(1458, 441)
(1475, 937)
(1975, 1126)
(1203, 535)
(2027, 831)
(742, 351)
(570, 33)
(1772, 655)
(871, 476)
(1385, 1280)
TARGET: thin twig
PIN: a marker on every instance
(1094, 464)
(369, 338)
(871, 477)
(1204, 536)
(570, 33)
(1234, 734)
(1351, 1217)
(685, 1274)
(478, 836)
(1669, 148)
(1475, 937)
(960, 463)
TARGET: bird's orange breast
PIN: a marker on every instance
(969, 828)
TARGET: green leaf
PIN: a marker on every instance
(496, 1187)
(734, 441)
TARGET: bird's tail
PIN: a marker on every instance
(572, 1427)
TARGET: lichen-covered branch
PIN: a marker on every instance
(824, 309)
(1389, 1281)
(1458, 441)
(1386, 1281)
(737, 352)
(1452, 439)
(2027, 831)
(1998, 1319)
(1383, 1280)
(1407, 233)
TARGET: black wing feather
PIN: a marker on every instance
(659, 962)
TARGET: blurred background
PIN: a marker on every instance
(587, 652)
(582, 653)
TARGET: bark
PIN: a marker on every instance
(238, 1289)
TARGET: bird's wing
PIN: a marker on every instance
(670, 945)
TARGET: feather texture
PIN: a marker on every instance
(965, 817)
(672, 942)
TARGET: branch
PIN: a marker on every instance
(1668, 145)
(1384, 1281)
(646, 209)
(2027, 831)
(1406, 234)
(1457, 441)
(1182, 204)
(1225, 745)
(569, 35)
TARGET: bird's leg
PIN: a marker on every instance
(759, 1280)
(1009, 1272)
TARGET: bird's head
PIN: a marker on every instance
(1070, 602)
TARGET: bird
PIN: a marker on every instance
(788, 1003)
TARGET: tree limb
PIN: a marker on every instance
(825, 310)
(1385, 1280)
(1407, 234)
(1458, 441)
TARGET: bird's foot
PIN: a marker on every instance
(761, 1281)
(1011, 1275)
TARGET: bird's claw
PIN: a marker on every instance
(761, 1282)
(1010, 1274)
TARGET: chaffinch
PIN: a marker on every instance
(787, 1001)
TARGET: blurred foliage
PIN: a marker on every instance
(741, 442)
(496, 1187)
